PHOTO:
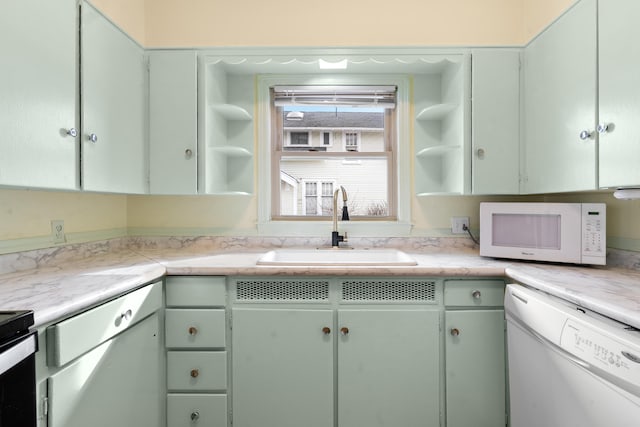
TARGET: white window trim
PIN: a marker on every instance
(318, 183)
(404, 143)
(358, 139)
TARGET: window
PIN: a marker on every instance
(326, 138)
(304, 120)
(298, 138)
(318, 202)
(351, 141)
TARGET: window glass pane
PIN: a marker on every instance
(315, 121)
(364, 179)
(299, 138)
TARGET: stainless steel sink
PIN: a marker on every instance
(334, 257)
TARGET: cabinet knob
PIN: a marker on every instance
(195, 416)
(476, 294)
(480, 153)
(73, 132)
(193, 331)
(194, 373)
(126, 315)
(93, 138)
(603, 128)
(326, 330)
(344, 330)
(188, 153)
(455, 332)
(585, 134)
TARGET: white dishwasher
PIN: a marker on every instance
(569, 367)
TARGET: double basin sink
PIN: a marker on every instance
(336, 257)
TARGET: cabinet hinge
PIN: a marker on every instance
(45, 406)
(230, 416)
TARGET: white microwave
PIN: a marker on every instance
(557, 232)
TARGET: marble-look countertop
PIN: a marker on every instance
(72, 285)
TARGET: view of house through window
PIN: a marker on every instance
(328, 139)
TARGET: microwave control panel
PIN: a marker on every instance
(594, 237)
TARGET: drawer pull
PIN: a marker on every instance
(455, 332)
(194, 373)
(193, 331)
(195, 416)
(326, 330)
(476, 294)
(344, 330)
(127, 315)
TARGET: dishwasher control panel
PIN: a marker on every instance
(601, 350)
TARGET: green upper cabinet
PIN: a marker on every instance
(173, 117)
(114, 107)
(619, 80)
(560, 65)
(38, 40)
(495, 121)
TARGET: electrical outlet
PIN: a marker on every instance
(457, 223)
(57, 231)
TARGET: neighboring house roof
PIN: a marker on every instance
(332, 120)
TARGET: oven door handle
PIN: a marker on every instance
(18, 352)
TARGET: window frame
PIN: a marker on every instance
(402, 130)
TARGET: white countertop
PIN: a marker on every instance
(72, 286)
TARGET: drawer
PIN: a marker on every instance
(195, 328)
(474, 293)
(75, 336)
(197, 370)
(193, 410)
(196, 291)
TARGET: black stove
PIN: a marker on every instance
(18, 346)
(14, 323)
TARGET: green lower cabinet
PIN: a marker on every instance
(475, 368)
(388, 367)
(117, 383)
(284, 370)
(283, 367)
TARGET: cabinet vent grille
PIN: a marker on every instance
(283, 290)
(392, 290)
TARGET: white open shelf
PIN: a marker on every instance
(437, 150)
(436, 112)
(231, 112)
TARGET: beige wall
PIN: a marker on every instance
(130, 15)
(537, 14)
(333, 23)
(28, 214)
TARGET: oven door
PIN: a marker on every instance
(17, 381)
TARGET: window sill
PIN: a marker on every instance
(321, 228)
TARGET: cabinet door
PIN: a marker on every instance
(118, 383)
(560, 102)
(38, 41)
(475, 368)
(388, 368)
(173, 117)
(282, 367)
(619, 80)
(495, 118)
(113, 107)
